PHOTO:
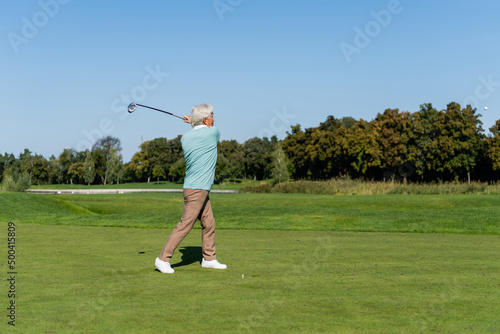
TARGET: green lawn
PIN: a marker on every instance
(373, 213)
(90, 280)
(308, 266)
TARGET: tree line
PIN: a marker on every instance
(102, 164)
(161, 158)
(156, 159)
(423, 146)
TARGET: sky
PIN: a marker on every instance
(69, 68)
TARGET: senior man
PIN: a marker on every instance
(200, 153)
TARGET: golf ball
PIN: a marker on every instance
(485, 108)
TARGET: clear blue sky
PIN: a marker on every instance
(70, 67)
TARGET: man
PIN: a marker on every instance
(200, 153)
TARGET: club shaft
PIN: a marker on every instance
(163, 111)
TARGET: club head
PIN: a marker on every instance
(131, 107)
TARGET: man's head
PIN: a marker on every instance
(202, 114)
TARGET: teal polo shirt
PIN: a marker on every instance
(200, 153)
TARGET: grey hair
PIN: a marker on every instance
(200, 112)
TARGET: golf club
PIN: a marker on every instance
(133, 106)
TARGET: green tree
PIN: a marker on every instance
(234, 153)
(424, 133)
(6, 161)
(89, 166)
(257, 158)
(65, 159)
(139, 165)
(26, 158)
(294, 147)
(460, 141)
(392, 131)
(76, 172)
(158, 172)
(15, 174)
(128, 173)
(178, 170)
(493, 147)
(159, 151)
(361, 148)
(348, 121)
(39, 169)
(54, 170)
(114, 169)
(221, 168)
(102, 151)
(280, 167)
(318, 152)
(107, 145)
(10, 161)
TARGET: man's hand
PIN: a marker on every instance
(187, 119)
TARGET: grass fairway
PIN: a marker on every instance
(96, 279)
(374, 213)
(85, 264)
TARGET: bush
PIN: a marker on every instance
(9, 183)
(346, 186)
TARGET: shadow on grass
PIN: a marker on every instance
(190, 255)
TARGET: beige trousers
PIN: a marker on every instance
(196, 206)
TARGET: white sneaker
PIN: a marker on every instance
(163, 266)
(212, 264)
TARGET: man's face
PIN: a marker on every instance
(209, 121)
